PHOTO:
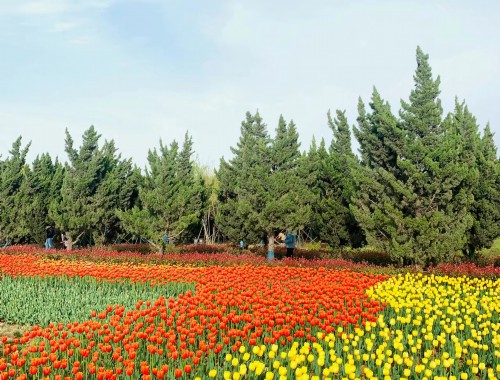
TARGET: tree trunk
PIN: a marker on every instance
(270, 246)
(69, 242)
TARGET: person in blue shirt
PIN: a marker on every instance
(241, 245)
(289, 244)
(164, 243)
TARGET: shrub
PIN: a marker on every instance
(142, 248)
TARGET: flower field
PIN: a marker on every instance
(107, 315)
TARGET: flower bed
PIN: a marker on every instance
(247, 318)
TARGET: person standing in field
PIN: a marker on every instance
(49, 242)
(164, 243)
(290, 244)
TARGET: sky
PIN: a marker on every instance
(145, 70)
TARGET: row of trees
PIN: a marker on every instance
(425, 186)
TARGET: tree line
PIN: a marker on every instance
(425, 186)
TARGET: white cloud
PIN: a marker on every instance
(83, 40)
(64, 26)
(49, 7)
(42, 7)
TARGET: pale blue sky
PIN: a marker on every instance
(141, 70)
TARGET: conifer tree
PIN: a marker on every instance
(485, 208)
(172, 197)
(412, 201)
(243, 191)
(73, 213)
(328, 211)
(91, 191)
(42, 186)
(262, 189)
(342, 166)
(13, 173)
(377, 199)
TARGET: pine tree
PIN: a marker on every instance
(116, 192)
(262, 189)
(73, 212)
(289, 205)
(42, 185)
(13, 172)
(342, 166)
(436, 212)
(328, 211)
(376, 201)
(90, 193)
(485, 208)
(243, 192)
(412, 200)
(171, 198)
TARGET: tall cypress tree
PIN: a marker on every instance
(289, 197)
(342, 166)
(328, 209)
(485, 208)
(243, 192)
(117, 191)
(262, 189)
(436, 212)
(74, 212)
(91, 191)
(412, 201)
(41, 187)
(377, 199)
(172, 197)
(13, 172)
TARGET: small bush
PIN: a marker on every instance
(143, 248)
(205, 248)
(374, 257)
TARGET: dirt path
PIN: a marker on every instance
(12, 331)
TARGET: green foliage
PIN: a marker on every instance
(172, 198)
(97, 185)
(36, 300)
(412, 200)
(333, 187)
(485, 208)
(42, 185)
(262, 188)
(426, 187)
(13, 173)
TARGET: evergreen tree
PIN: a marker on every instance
(436, 214)
(172, 196)
(328, 211)
(262, 189)
(13, 173)
(92, 191)
(243, 193)
(74, 212)
(377, 199)
(342, 164)
(412, 201)
(288, 206)
(485, 208)
(378, 134)
(42, 186)
(116, 192)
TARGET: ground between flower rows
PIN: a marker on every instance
(251, 321)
